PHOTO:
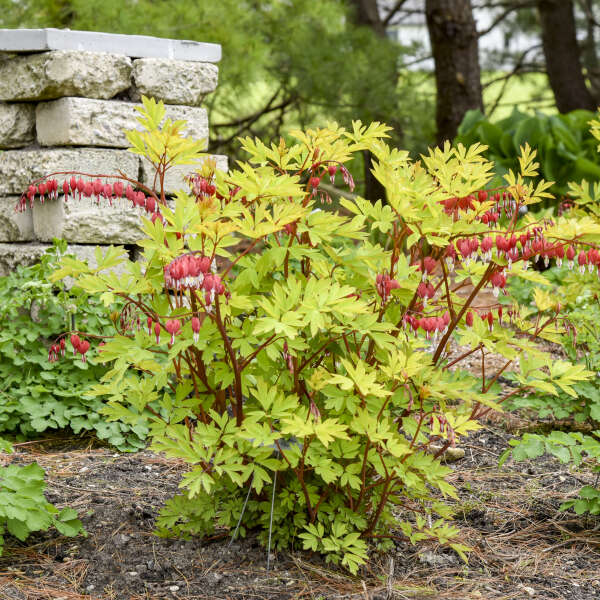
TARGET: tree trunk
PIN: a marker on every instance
(454, 45)
(367, 14)
(590, 55)
(562, 56)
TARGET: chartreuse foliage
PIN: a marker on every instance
(277, 355)
(37, 395)
(23, 507)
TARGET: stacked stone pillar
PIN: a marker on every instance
(65, 99)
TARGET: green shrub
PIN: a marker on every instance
(23, 507)
(36, 394)
(297, 364)
(565, 147)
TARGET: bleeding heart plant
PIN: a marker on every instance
(307, 368)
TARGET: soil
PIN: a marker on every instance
(522, 545)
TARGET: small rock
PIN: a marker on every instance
(450, 455)
(122, 539)
(133, 573)
(528, 590)
(90, 587)
(436, 560)
(453, 454)
(174, 588)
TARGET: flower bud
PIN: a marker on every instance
(582, 261)
(150, 204)
(75, 342)
(84, 346)
(196, 328)
(173, 326)
(570, 256)
(332, 170)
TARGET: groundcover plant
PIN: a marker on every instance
(39, 392)
(295, 356)
(578, 290)
(23, 506)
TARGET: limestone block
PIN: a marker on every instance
(39, 40)
(15, 226)
(85, 122)
(174, 179)
(17, 125)
(172, 81)
(19, 167)
(15, 255)
(86, 221)
(64, 73)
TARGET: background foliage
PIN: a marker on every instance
(37, 395)
(566, 149)
(301, 63)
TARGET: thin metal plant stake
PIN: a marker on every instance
(237, 527)
(271, 521)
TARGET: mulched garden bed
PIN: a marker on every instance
(523, 547)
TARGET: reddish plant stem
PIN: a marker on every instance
(239, 401)
(476, 414)
(250, 247)
(482, 369)
(314, 354)
(252, 356)
(461, 357)
(380, 506)
(495, 378)
(450, 303)
(454, 322)
(363, 476)
(300, 475)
